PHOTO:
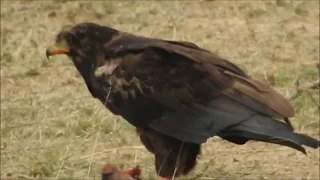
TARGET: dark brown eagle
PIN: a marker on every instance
(176, 94)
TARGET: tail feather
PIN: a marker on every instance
(262, 128)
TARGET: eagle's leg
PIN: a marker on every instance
(173, 157)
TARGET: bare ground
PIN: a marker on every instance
(51, 126)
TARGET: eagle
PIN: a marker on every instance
(176, 94)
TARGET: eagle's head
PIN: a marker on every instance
(81, 42)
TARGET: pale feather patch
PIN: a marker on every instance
(138, 85)
(133, 93)
(124, 82)
(116, 82)
(100, 71)
(108, 67)
(119, 82)
(134, 80)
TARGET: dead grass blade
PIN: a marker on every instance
(304, 88)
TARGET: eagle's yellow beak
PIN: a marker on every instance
(57, 49)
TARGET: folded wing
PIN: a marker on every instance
(203, 95)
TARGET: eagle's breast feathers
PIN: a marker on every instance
(117, 81)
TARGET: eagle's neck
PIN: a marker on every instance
(84, 67)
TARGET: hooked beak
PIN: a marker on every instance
(57, 49)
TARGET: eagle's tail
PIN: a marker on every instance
(266, 129)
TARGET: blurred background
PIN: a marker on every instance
(51, 127)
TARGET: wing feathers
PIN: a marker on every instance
(173, 67)
(184, 76)
(271, 99)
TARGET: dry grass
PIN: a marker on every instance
(52, 127)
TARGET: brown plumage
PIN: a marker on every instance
(177, 94)
(111, 172)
